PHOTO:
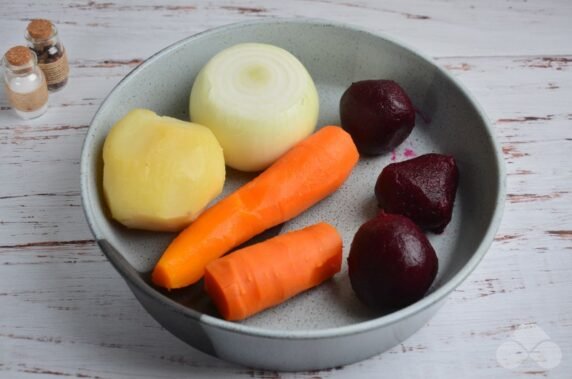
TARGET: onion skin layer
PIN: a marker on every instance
(258, 100)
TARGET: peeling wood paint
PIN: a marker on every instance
(43, 371)
(554, 62)
(512, 152)
(48, 244)
(117, 62)
(521, 172)
(507, 237)
(458, 67)
(532, 197)
(407, 15)
(525, 119)
(244, 10)
(565, 234)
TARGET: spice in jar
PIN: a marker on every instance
(24, 83)
(43, 39)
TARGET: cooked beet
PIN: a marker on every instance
(391, 262)
(378, 115)
(421, 188)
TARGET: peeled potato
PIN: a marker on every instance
(159, 173)
(258, 99)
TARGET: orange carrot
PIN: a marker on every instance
(266, 274)
(306, 174)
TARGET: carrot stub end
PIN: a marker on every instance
(268, 273)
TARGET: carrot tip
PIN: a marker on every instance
(160, 277)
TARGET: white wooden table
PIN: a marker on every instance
(65, 312)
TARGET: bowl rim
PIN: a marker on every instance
(132, 277)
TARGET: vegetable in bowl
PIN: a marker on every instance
(258, 99)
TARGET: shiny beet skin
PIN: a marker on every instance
(378, 115)
(421, 188)
(391, 262)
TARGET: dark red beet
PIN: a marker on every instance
(391, 262)
(421, 188)
(378, 115)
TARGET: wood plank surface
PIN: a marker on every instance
(65, 312)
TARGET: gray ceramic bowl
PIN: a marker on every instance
(326, 326)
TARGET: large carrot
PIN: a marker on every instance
(268, 273)
(306, 174)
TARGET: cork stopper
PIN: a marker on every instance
(40, 29)
(18, 56)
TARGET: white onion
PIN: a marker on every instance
(258, 100)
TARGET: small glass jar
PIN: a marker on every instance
(24, 83)
(43, 39)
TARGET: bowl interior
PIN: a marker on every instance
(335, 56)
